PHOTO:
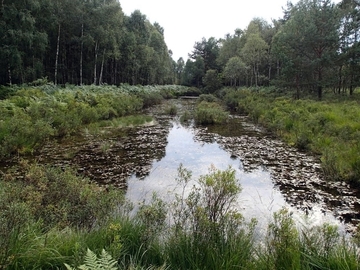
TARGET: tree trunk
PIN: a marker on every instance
(57, 55)
(81, 54)
(340, 79)
(319, 87)
(9, 71)
(255, 74)
(269, 73)
(297, 86)
(351, 88)
(102, 68)
(96, 55)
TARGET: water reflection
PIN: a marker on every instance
(259, 197)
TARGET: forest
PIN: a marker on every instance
(315, 46)
(80, 42)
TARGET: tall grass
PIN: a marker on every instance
(29, 116)
(207, 230)
(209, 113)
(329, 128)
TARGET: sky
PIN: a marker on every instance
(188, 21)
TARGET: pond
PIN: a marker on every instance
(145, 159)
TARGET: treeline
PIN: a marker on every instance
(315, 46)
(80, 42)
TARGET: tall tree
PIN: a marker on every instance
(208, 50)
(254, 53)
(21, 43)
(231, 46)
(235, 70)
(180, 64)
(349, 60)
(194, 72)
(310, 37)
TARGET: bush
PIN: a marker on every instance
(60, 198)
(171, 110)
(210, 113)
(209, 232)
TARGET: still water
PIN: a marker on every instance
(197, 150)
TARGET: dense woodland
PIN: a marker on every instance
(80, 42)
(315, 46)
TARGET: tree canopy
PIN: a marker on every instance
(315, 46)
(80, 42)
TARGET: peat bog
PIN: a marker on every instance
(145, 159)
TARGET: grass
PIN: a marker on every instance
(31, 115)
(51, 216)
(207, 232)
(209, 113)
(328, 128)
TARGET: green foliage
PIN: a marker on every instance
(171, 110)
(33, 115)
(212, 81)
(92, 262)
(307, 46)
(235, 70)
(207, 98)
(209, 232)
(283, 243)
(329, 128)
(62, 199)
(185, 117)
(210, 113)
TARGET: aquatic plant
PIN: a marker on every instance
(210, 113)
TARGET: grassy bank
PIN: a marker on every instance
(330, 128)
(31, 115)
(52, 217)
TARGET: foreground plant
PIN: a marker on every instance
(209, 231)
(92, 262)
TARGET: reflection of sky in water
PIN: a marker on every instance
(258, 199)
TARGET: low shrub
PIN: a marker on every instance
(171, 110)
(210, 113)
(62, 199)
(328, 128)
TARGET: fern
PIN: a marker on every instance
(92, 262)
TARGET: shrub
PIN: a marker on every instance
(60, 198)
(186, 116)
(210, 113)
(207, 98)
(209, 232)
(171, 110)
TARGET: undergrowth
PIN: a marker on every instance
(206, 231)
(329, 128)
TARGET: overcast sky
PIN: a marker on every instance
(188, 21)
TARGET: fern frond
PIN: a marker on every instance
(106, 261)
(68, 267)
(91, 261)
